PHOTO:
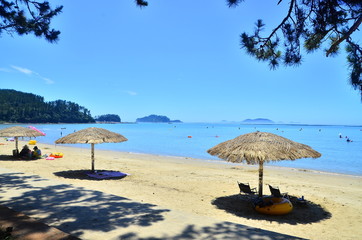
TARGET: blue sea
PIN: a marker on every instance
(194, 139)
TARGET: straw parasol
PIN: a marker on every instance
(260, 147)
(93, 136)
(18, 131)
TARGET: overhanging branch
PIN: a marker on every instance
(282, 23)
(345, 36)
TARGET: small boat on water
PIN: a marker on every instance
(273, 205)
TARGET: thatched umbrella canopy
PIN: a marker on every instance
(93, 136)
(18, 131)
(261, 147)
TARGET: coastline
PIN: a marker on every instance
(174, 140)
(200, 187)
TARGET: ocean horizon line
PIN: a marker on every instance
(229, 122)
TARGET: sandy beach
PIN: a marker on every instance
(204, 191)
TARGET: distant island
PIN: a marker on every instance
(157, 119)
(108, 118)
(258, 121)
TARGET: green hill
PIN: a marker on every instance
(20, 107)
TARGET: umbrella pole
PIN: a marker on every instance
(261, 178)
(16, 144)
(92, 156)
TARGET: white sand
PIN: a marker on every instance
(199, 188)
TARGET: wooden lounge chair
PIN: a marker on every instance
(245, 188)
(275, 192)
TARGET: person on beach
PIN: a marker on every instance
(36, 153)
(25, 153)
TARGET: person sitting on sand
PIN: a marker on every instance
(36, 153)
(25, 153)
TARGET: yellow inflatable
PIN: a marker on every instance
(274, 206)
(56, 155)
(32, 142)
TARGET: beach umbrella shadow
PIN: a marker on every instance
(82, 175)
(241, 206)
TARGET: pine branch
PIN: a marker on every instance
(292, 3)
(345, 36)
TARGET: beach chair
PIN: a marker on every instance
(275, 192)
(245, 188)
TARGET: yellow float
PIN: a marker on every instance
(32, 142)
(56, 155)
(274, 206)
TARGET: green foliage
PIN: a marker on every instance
(141, 3)
(233, 3)
(354, 60)
(19, 107)
(108, 118)
(5, 234)
(310, 24)
(25, 17)
(315, 24)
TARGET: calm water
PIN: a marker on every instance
(338, 155)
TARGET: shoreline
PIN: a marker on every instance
(205, 188)
(335, 152)
(229, 122)
(219, 161)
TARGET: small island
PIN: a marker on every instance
(157, 119)
(258, 121)
(108, 118)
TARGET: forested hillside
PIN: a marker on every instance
(20, 107)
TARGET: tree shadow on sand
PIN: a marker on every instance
(82, 175)
(241, 206)
(221, 230)
(16, 181)
(75, 209)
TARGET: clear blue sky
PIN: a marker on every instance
(177, 58)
